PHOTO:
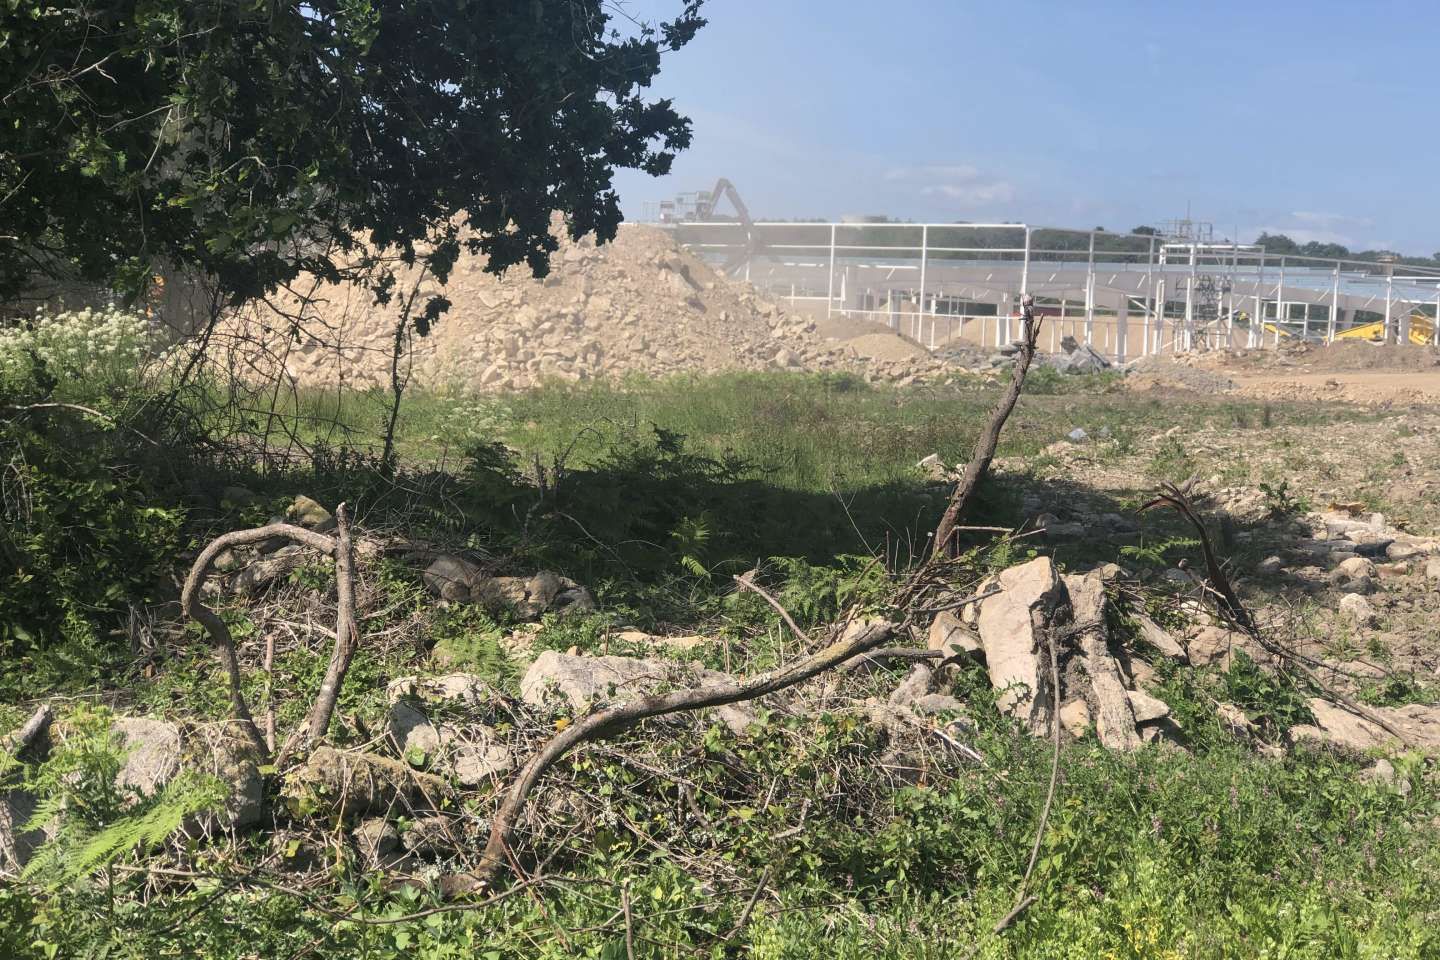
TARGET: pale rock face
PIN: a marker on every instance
(1012, 626)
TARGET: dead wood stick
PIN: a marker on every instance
(605, 722)
(192, 606)
(749, 907)
(347, 637)
(34, 728)
(747, 582)
(989, 437)
(629, 924)
(893, 653)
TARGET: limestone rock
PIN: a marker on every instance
(1216, 646)
(378, 842)
(1419, 723)
(1114, 717)
(276, 566)
(1012, 631)
(933, 703)
(17, 845)
(949, 634)
(1147, 708)
(581, 682)
(1160, 638)
(308, 513)
(1234, 720)
(153, 753)
(335, 781)
(1075, 718)
(1356, 610)
(451, 578)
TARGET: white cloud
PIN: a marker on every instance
(957, 182)
(997, 191)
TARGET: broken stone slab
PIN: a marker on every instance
(953, 638)
(1147, 708)
(1217, 646)
(1419, 723)
(1160, 638)
(582, 682)
(1356, 610)
(350, 783)
(1013, 626)
(153, 753)
(1113, 716)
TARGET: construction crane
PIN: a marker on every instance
(701, 205)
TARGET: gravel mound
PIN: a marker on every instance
(637, 305)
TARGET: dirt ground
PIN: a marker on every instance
(1363, 373)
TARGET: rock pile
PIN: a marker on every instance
(637, 305)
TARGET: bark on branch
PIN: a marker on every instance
(346, 632)
(989, 438)
(611, 720)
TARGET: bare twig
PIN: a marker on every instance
(744, 917)
(989, 437)
(747, 582)
(192, 606)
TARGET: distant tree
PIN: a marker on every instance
(1277, 243)
(1143, 231)
(253, 141)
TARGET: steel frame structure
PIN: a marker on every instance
(1187, 294)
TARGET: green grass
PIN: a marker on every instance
(655, 493)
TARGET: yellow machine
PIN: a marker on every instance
(1422, 330)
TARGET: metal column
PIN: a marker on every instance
(924, 256)
(1331, 330)
(1389, 295)
(1279, 305)
(1090, 295)
(830, 292)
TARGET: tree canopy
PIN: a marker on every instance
(255, 139)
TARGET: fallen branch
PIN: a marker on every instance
(32, 730)
(347, 639)
(346, 633)
(851, 642)
(989, 438)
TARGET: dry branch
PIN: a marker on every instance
(989, 437)
(34, 728)
(346, 635)
(611, 720)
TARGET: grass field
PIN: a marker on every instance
(657, 492)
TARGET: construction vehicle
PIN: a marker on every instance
(700, 205)
(1422, 330)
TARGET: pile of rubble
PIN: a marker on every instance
(639, 305)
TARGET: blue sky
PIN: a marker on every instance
(1309, 117)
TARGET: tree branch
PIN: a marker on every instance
(989, 437)
(603, 723)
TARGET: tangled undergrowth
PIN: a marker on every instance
(818, 832)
